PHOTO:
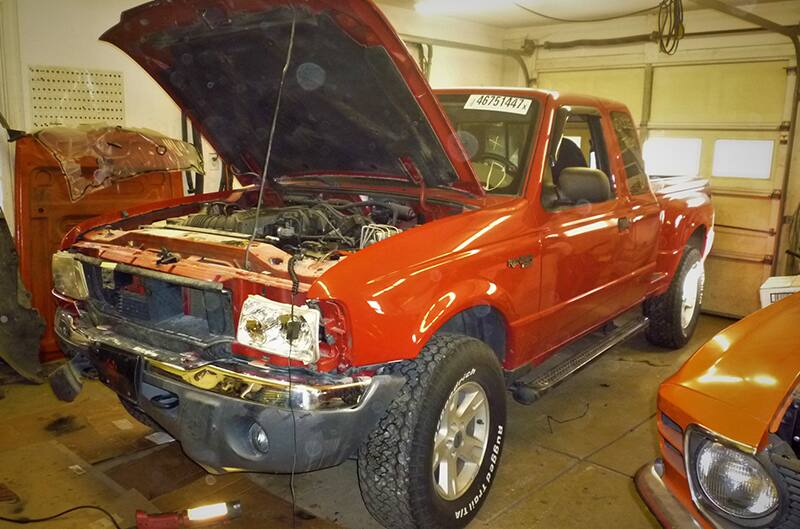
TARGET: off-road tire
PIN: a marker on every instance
(395, 462)
(664, 311)
(139, 415)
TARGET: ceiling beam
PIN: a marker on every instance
(747, 16)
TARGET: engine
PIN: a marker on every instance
(302, 223)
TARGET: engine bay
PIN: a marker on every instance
(304, 225)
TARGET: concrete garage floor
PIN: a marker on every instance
(568, 461)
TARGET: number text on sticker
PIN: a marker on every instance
(512, 105)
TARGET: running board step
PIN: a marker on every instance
(531, 388)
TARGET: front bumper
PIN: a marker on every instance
(665, 507)
(311, 421)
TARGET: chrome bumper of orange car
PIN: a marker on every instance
(664, 506)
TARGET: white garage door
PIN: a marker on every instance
(722, 122)
(620, 84)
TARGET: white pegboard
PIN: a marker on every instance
(71, 96)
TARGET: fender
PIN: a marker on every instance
(392, 316)
(685, 214)
(474, 294)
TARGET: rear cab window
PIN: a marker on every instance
(631, 153)
(496, 132)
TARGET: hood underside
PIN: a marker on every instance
(353, 102)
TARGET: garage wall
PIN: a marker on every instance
(54, 32)
(714, 91)
(8, 92)
(452, 67)
(64, 33)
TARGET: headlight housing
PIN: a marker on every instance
(68, 276)
(269, 326)
(733, 483)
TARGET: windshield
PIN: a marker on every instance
(496, 134)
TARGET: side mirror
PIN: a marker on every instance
(584, 184)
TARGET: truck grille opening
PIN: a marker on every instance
(789, 430)
(203, 314)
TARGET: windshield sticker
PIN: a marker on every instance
(508, 104)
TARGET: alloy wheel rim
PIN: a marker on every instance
(691, 294)
(459, 444)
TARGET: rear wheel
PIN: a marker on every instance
(674, 314)
(432, 459)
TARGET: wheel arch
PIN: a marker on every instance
(477, 308)
(695, 233)
(698, 238)
(483, 322)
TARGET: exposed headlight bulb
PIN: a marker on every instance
(269, 326)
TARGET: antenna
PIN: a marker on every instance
(269, 142)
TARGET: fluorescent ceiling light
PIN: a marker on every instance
(459, 7)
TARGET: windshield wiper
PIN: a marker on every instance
(327, 180)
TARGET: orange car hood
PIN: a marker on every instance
(748, 369)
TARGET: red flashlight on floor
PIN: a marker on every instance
(196, 517)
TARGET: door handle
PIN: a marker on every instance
(623, 223)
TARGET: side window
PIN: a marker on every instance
(583, 134)
(581, 144)
(625, 130)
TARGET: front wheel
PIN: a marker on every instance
(431, 460)
(674, 314)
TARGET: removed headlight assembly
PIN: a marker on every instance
(729, 483)
(68, 276)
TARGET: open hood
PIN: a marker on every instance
(354, 102)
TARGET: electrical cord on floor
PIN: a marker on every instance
(24, 521)
(295, 289)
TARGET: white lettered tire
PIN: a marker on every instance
(450, 414)
(673, 315)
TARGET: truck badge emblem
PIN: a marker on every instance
(523, 261)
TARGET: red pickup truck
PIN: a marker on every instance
(397, 260)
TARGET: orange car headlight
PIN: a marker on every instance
(735, 482)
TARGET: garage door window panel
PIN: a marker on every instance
(743, 159)
(666, 157)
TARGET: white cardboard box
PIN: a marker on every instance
(776, 288)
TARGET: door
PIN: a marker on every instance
(643, 221)
(582, 243)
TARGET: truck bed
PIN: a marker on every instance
(671, 185)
